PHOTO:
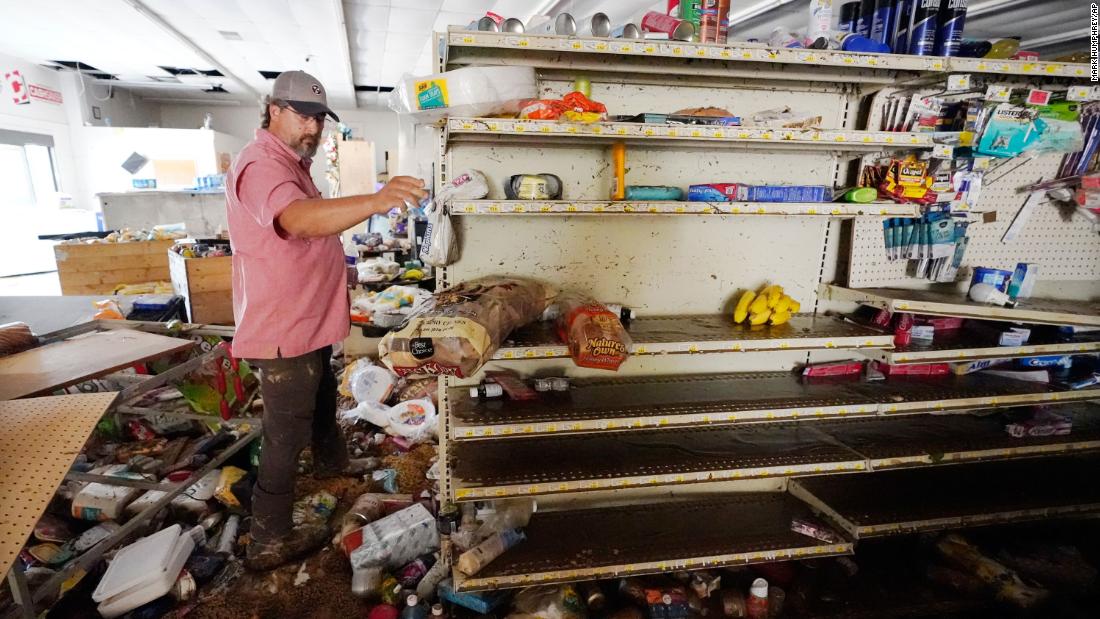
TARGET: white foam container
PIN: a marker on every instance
(143, 571)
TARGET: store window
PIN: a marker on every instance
(27, 171)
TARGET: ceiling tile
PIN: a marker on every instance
(447, 18)
(411, 20)
(467, 6)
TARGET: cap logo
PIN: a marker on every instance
(316, 89)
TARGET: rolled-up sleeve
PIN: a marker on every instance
(265, 188)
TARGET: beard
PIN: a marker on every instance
(306, 146)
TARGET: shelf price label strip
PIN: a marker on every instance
(829, 209)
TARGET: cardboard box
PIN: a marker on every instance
(206, 285)
(98, 268)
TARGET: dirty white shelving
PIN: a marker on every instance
(626, 207)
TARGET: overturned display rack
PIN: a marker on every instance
(651, 458)
(898, 502)
(651, 538)
(656, 335)
(608, 405)
(248, 430)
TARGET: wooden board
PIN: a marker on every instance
(206, 285)
(39, 439)
(51, 367)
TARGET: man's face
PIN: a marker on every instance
(302, 133)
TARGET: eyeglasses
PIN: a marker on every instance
(320, 117)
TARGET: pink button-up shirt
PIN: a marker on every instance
(290, 295)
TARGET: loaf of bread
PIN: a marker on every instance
(466, 326)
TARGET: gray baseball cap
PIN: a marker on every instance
(303, 92)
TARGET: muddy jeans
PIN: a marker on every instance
(299, 396)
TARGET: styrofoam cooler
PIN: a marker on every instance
(143, 571)
(394, 540)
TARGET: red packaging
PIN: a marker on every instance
(541, 109)
(882, 318)
(140, 431)
(940, 323)
(653, 21)
(595, 336)
(919, 369)
(577, 102)
(839, 368)
(1026, 54)
(903, 328)
(513, 386)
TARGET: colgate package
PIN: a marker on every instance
(595, 336)
(919, 369)
(715, 192)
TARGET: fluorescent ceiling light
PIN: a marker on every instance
(1054, 39)
(754, 10)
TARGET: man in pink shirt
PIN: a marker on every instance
(290, 302)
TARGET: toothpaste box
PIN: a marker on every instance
(788, 193)
(715, 192)
(975, 366)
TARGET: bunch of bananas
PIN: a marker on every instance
(768, 305)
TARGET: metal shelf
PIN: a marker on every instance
(641, 56)
(964, 345)
(587, 544)
(547, 465)
(524, 467)
(913, 500)
(599, 207)
(614, 405)
(658, 335)
(546, 132)
(951, 439)
(936, 303)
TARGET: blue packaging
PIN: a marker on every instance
(952, 17)
(1023, 280)
(849, 16)
(789, 193)
(997, 278)
(922, 30)
(1046, 361)
(899, 26)
(482, 602)
(880, 23)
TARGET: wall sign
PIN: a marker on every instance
(18, 85)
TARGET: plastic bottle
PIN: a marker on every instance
(784, 37)
(857, 43)
(974, 48)
(821, 19)
(618, 159)
(758, 599)
(413, 608)
(437, 611)
(986, 293)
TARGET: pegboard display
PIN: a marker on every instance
(39, 439)
(1063, 244)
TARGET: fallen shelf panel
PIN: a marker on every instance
(613, 405)
(615, 208)
(656, 335)
(54, 366)
(610, 542)
(1034, 310)
(963, 345)
(935, 498)
(524, 467)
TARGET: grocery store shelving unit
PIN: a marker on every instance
(699, 434)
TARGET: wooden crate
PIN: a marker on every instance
(98, 268)
(206, 284)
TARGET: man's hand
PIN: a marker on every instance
(399, 193)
